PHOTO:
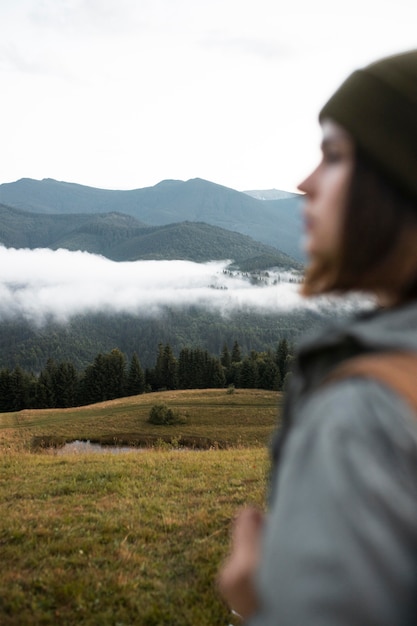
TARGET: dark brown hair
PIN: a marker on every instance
(378, 250)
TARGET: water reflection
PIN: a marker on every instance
(79, 447)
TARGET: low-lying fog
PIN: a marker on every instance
(43, 283)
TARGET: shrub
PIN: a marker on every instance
(162, 415)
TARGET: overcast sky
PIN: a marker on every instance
(122, 94)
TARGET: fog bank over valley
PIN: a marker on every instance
(42, 284)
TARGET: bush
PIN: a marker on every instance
(162, 415)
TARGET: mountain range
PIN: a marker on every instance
(194, 220)
(121, 237)
(144, 223)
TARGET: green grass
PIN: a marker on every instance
(245, 417)
(133, 538)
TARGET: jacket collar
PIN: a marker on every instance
(376, 330)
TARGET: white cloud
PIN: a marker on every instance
(42, 283)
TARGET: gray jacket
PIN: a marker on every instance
(340, 544)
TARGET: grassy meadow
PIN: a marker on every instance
(133, 538)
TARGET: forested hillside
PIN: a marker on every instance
(110, 376)
(194, 220)
(123, 238)
(94, 233)
(82, 338)
(273, 222)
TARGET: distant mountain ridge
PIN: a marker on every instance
(275, 223)
(123, 238)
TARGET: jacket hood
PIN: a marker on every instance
(376, 330)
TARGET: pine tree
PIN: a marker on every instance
(225, 358)
(170, 369)
(92, 382)
(65, 385)
(217, 378)
(135, 378)
(165, 373)
(185, 369)
(236, 353)
(20, 388)
(282, 358)
(248, 378)
(158, 371)
(105, 379)
(226, 361)
(6, 400)
(269, 376)
(115, 374)
(44, 391)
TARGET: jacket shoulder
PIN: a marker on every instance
(362, 417)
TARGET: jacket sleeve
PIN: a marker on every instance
(340, 542)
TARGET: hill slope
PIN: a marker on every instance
(25, 229)
(123, 238)
(84, 336)
(273, 222)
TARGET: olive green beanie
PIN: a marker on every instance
(377, 105)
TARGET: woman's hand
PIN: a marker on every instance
(235, 578)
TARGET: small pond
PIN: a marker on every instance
(79, 447)
(122, 443)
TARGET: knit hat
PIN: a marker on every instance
(377, 105)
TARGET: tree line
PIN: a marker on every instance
(110, 376)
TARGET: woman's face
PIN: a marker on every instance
(326, 192)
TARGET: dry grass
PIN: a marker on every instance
(245, 417)
(120, 539)
(134, 538)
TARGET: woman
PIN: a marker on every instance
(338, 546)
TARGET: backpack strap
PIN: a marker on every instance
(397, 370)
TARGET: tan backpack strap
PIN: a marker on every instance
(397, 370)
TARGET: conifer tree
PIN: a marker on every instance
(185, 369)
(45, 392)
(170, 369)
(6, 402)
(269, 375)
(236, 353)
(166, 369)
(105, 379)
(158, 371)
(248, 378)
(65, 385)
(217, 377)
(115, 374)
(20, 389)
(135, 378)
(93, 381)
(226, 359)
(282, 357)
